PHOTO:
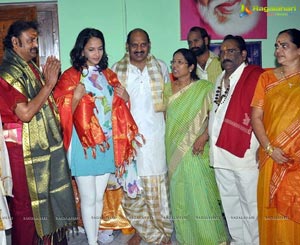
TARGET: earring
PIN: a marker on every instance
(85, 72)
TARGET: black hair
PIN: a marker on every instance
(16, 29)
(78, 61)
(202, 32)
(294, 35)
(137, 30)
(191, 60)
(240, 43)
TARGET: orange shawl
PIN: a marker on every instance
(280, 101)
(124, 128)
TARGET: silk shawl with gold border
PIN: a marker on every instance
(124, 128)
(47, 172)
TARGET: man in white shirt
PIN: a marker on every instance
(233, 145)
(208, 64)
(143, 78)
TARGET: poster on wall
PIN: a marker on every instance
(222, 17)
(253, 50)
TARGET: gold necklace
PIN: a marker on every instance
(291, 85)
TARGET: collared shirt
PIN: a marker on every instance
(220, 158)
(211, 70)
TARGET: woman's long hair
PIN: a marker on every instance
(78, 61)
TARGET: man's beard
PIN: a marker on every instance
(199, 50)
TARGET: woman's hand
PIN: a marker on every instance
(122, 93)
(198, 146)
(79, 92)
(279, 156)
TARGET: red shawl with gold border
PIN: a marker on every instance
(124, 128)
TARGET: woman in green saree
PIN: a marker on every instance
(193, 191)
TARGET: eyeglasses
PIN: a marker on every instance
(229, 51)
(179, 62)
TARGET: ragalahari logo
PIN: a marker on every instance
(270, 10)
(245, 11)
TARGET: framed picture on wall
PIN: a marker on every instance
(223, 17)
(253, 50)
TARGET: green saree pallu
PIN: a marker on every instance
(194, 194)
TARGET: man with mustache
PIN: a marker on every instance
(208, 64)
(233, 144)
(43, 204)
(146, 201)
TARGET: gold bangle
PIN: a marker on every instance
(269, 149)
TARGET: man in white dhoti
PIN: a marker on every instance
(146, 202)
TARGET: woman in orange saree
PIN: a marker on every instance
(276, 123)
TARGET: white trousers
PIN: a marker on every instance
(91, 190)
(238, 191)
(3, 237)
